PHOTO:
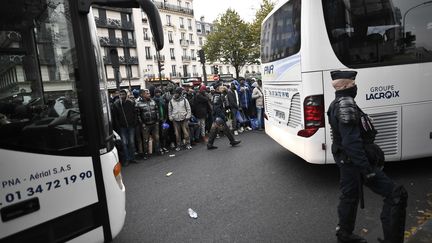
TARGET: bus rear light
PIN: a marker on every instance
(313, 107)
(117, 175)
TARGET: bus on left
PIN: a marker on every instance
(60, 176)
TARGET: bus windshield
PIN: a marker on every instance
(38, 95)
(378, 33)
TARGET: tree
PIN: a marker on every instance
(255, 27)
(234, 41)
(230, 42)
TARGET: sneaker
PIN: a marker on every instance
(240, 130)
(217, 135)
(188, 147)
(249, 128)
(165, 150)
(177, 149)
(235, 133)
(172, 145)
(210, 147)
(235, 142)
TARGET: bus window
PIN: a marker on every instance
(38, 98)
(280, 34)
(378, 33)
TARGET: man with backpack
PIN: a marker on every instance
(179, 112)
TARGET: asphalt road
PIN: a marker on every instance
(256, 192)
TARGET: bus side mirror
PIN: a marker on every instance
(146, 5)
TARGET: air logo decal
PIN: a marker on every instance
(382, 92)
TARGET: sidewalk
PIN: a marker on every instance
(423, 234)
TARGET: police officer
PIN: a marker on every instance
(356, 169)
(219, 105)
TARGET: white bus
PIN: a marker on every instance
(60, 176)
(389, 44)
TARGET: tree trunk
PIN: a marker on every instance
(237, 71)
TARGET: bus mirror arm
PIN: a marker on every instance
(146, 5)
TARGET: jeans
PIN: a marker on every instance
(127, 135)
(260, 117)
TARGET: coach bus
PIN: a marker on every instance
(60, 176)
(389, 44)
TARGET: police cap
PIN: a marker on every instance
(343, 74)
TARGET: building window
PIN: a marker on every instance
(147, 52)
(181, 22)
(172, 54)
(191, 38)
(200, 41)
(183, 36)
(228, 69)
(149, 68)
(190, 24)
(168, 19)
(193, 54)
(179, 3)
(170, 37)
(145, 31)
(187, 5)
(173, 70)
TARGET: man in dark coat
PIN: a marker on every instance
(125, 120)
(201, 109)
(348, 148)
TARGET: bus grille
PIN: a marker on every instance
(294, 119)
(386, 124)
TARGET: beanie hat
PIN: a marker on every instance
(157, 90)
(178, 90)
(343, 79)
(202, 88)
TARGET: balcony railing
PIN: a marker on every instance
(171, 41)
(149, 58)
(113, 23)
(146, 38)
(186, 58)
(122, 60)
(161, 58)
(173, 74)
(184, 42)
(195, 75)
(182, 26)
(106, 41)
(174, 8)
(193, 58)
(129, 42)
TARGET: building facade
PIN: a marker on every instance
(128, 30)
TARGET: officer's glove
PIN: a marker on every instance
(368, 175)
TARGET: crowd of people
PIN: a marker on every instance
(156, 120)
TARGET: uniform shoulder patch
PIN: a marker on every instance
(346, 110)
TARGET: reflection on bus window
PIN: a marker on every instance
(280, 34)
(38, 100)
(371, 33)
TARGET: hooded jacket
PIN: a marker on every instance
(179, 109)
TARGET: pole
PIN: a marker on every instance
(159, 67)
(129, 76)
(204, 74)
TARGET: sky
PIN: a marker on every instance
(211, 9)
